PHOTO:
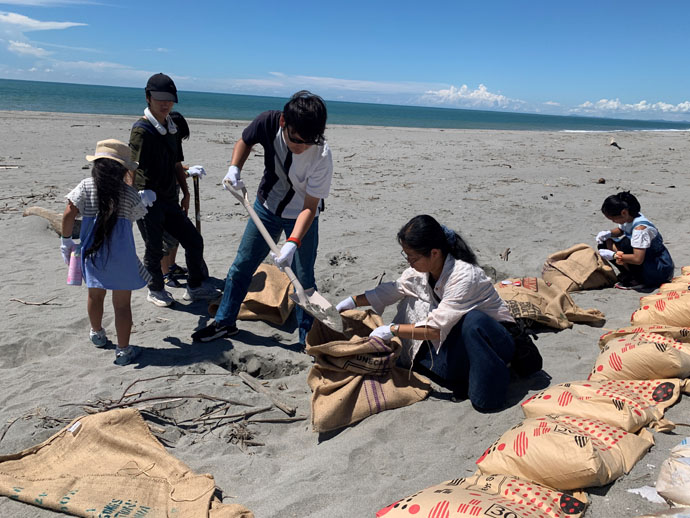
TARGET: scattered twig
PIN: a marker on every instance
(8, 427)
(349, 156)
(240, 415)
(504, 255)
(278, 419)
(258, 387)
(173, 397)
(44, 303)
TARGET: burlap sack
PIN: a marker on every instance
(565, 452)
(681, 334)
(626, 404)
(579, 267)
(665, 296)
(353, 379)
(642, 356)
(674, 286)
(535, 299)
(267, 299)
(674, 312)
(673, 482)
(492, 495)
(109, 464)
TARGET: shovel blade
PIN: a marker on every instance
(322, 310)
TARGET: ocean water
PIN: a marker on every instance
(74, 98)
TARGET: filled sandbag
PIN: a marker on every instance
(534, 299)
(674, 286)
(674, 312)
(488, 495)
(685, 270)
(665, 295)
(627, 404)
(354, 378)
(565, 452)
(681, 334)
(642, 356)
(673, 482)
(267, 299)
(110, 464)
(579, 267)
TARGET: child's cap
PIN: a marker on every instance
(115, 150)
(161, 88)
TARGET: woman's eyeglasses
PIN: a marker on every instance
(317, 142)
(410, 260)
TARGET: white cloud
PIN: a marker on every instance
(25, 49)
(614, 107)
(552, 103)
(24, 23)
(480, 97)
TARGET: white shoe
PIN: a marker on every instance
(160, 298)
(201, 292)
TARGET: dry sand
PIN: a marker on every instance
(535, 192)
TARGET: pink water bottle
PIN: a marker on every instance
(74, 271)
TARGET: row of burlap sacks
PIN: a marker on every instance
(670, 305)
(579, 434)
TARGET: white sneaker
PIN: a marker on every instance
(98, 338)
(160, 298)
(201, 292)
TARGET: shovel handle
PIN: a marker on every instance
(244, 200)
(197, 203)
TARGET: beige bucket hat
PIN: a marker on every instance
(115, 150)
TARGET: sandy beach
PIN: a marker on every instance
(532, 192)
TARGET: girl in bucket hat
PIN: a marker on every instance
(108, 255)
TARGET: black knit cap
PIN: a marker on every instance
(161, 88)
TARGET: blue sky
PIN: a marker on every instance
(602, 58)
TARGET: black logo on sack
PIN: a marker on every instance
(660, 347)
(581, 441)
(618, 404)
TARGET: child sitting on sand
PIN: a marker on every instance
(636, 245)
(109, 261)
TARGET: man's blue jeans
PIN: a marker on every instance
(253, 250)
(473, 360)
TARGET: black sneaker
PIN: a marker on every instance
(212, 331)
(177, 271)
(170, 281)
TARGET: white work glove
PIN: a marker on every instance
(196, 170)
(66, 247)
(233, 177)
(607, 254)
(603, 236)
(286, 255)
(382, 332)
(147, 197)
(344, 305)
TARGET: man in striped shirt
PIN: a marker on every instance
(297, 177)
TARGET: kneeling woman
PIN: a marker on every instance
(449, 314)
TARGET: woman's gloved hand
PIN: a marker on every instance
(603, 236)
(345, 304)
(607, 254)
(382, 332)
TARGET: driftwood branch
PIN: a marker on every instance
(278, 419)
(44, 303)
(255, 385)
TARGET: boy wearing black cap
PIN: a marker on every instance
(297, 177)
(157, 149)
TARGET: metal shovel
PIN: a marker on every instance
(310, 300)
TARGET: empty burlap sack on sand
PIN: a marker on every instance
(681, 334)
(674, 312)
(353, 379)
(642, 356)
(492, 495)
(109, 464)
(535, 299)
(673, 482)
(580, 267)
(626, 404)
(267, 299)
(565, 452)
